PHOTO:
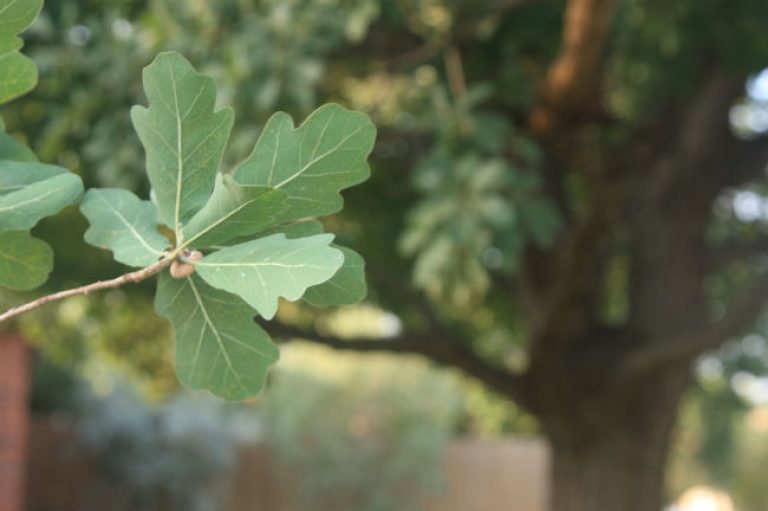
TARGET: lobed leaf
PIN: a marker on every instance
(233, 211)
(347, 286)
(124, 224)
(312, 163)
(12, 149)
(25, 262)
(262, 270)
(218, 345)
(30, 191)
(18, 74)
(183, 137)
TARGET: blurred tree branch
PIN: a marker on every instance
(742, 310)
(746, 160)
(572, 83)
(429, 344)
(719, 257)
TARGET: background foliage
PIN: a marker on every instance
(456, 193)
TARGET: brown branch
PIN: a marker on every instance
(444, 351)
(574, 78)
(128, 278)
(455, 71)
(694, 140)
(741, 312)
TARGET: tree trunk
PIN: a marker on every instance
(609, 451)
(620, 474)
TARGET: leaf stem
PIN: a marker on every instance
(128, 278)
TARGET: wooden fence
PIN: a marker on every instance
(479, 475)
(14, 370)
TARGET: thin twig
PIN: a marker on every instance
(128, 278)
(455, 71)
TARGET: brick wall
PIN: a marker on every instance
(13, 421)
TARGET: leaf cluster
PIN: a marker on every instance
(235, 242)
(29, 190)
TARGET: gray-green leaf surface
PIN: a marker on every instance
(12, 149)
(30, 191)
(313, 162)
(18, 74)
(124, 224)
(262, 270)
(25, 262)
(218, 345)
(233, 211)
(183, 137)
(347, 286)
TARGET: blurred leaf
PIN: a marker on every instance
(18, 74)
(12, 149)
(25, 262)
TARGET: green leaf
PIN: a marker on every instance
(15, 175)
(313, 163)
(218, 345)
(25, 262)
(233, 211)
(183, 138)
(12, 149)
(347, 286)
(262, 270)
(18, 74)
(16, 15)
(124, 224)
(541, 220)
(30, 191)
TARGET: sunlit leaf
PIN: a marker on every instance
(262, 270)
(347, 286)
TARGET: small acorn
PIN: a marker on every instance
(184, 266)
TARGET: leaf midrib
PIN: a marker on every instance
(314, 160)
(130, 227)
(218, 222)
(179, 159)
(215, 332)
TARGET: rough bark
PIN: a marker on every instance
(607, 395)
(609, 448)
